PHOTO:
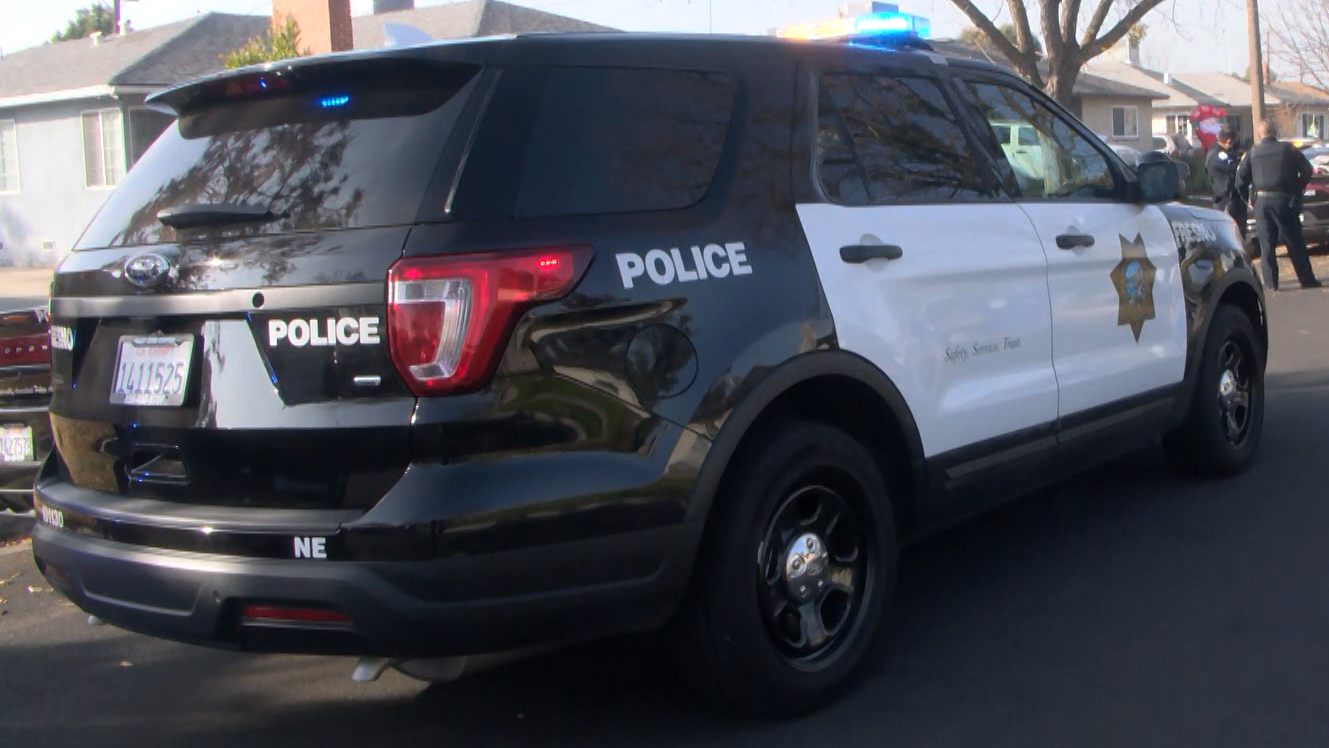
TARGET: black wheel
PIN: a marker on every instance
(1226, 418)
(798, 563)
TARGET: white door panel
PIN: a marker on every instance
(1096, 353)
(960, 323)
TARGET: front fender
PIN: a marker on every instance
(1215, 269)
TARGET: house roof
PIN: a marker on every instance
(1224, 89)
(158, 56)
(467, 19)
(1298, 93)
(164, 56)
(1173, 95)
(1087, 84)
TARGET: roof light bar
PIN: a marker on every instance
(886, 24)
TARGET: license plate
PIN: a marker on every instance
(152, 370)
(16, 444)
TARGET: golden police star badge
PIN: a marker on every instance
(1134, 280)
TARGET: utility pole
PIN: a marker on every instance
(1257, 62)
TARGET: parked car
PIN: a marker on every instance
(25, 395)
(1319, 158)
(513, 342)
(1314, 219)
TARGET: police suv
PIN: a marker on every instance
(468, 348)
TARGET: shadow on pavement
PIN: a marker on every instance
(14, 526)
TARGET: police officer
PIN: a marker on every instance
(1274, 175)
(1222, 165)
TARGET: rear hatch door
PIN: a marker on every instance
(227, 305)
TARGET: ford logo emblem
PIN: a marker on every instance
(145, 270)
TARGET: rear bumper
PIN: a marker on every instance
(396, 609)
(456, 559)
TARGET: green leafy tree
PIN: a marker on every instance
(95, 17)
(280, 42)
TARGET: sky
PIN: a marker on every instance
(1183, 36)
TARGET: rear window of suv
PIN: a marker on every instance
(345, 148)
(597, 140)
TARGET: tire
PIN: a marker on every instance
(1219, 437)
(735, 641)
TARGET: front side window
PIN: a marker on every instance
(885, 139)
(8, 156)
(1062, 164)
(103, 148)
(1125, 122)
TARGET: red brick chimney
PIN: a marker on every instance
(325, 25)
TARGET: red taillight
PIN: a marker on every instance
(450, 316)
(275, 614)
(25, 349)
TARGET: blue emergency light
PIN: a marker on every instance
(882, 27)
(334, 102)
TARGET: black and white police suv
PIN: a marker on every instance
(475, 347)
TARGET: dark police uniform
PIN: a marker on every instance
(1275, 175)
(1222, 165)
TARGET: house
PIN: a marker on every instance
(1118, 111)
(73, 120)
(1299, 110)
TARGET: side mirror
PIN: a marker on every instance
(1160, 181)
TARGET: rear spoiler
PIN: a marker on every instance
(257, 81)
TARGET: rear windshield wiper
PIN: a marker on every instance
(213, 214)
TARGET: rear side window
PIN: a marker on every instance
(885, 139)
(611, 140)
(340, 148)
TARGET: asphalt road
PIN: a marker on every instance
(1124, 608)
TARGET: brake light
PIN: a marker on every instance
(450, 316)
(25, 349)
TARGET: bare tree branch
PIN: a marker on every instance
(1057, 70)
(1303, 38)
(1136, 14)
(1024, 34)
(1052, 24)
(1070, 18)
(1096, 22)
(1023, 57)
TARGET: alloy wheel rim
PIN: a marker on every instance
(1235, 390)
(813, 574)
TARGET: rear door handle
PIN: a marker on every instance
(860, 253)
(1073, 241)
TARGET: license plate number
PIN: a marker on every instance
(16, 444)
(152, 370)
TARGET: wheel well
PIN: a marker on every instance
(857, 409)
(1244, 298)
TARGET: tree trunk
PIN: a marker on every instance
(1061, 81)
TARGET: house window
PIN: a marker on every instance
(1312, 126)
(103, 148)
(1125, 122)
(1179, 123)
(8, 156)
